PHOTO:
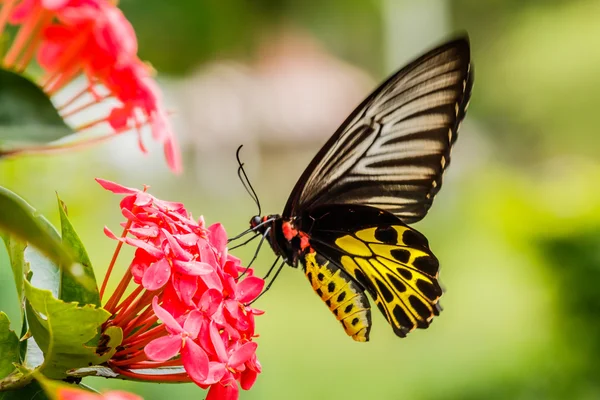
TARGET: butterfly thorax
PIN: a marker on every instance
(283, 235)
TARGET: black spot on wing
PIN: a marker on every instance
(355, 321)
(427, 264)
(406, 274)
(309, 276)
(402, 255)
(383, 311)
(402, 318)
(331, 287)
(414, 239)
(320, 276)
(386, 234)
(348, 308)
(341, 297)
(422, 310)
(364, 282)
(400, 287)
(385, 292)
(431, 291)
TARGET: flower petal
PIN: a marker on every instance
(195, 361)
(120, 395)
(115, 187)
(157, 275)
(217, 342)
(165, 317)
(164, 348)
(193, 268)
(248, 378)
(227, 389)
(186, 287)
(212, 281)
(243, 354)
(249, 289)
(177, 250)
(188, 239)
(218, 237)
(210, 301)
(68, 393)
(193, 323)
(216, 372)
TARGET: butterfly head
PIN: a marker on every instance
(261, 224)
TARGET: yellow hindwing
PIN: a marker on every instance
(344, 297)
(395, 265)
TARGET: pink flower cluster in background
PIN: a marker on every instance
(68, 393)
(70, 38)
(183, 276)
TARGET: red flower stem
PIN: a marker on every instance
(153, 333)
(62, 79)
(167, 378)
(56, 148)
(138, 356)
(25, 33)
(91, 124)
(84, 106)
(133, 309)
(68, 58)
(86, 89)
(128, 300)
(113, 298)
(155, 364)
(147, 319)
(33, 44)
(5, 13)
(137, 345)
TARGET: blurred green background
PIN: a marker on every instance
(516, 227)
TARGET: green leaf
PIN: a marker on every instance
(9, 347)
(82, 288)
(62, 330)
(15, 249)
(27, 116)
(33, 391)
(18, 218)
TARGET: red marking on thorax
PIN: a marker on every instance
(288, 230)
(304, 243)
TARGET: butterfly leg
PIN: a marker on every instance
(255, 253)
(272, 280)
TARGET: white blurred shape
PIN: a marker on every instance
(294, 94)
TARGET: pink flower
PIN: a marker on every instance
(182, 276)
(180, 339)
(67, 393)
(91, 38)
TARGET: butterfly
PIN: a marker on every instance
(346, 220)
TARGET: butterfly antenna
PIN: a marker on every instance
(272, 280)
(255, 253)
(246, 181)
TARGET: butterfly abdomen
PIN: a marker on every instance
(346, 299)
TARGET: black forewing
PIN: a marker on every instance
(391, 152)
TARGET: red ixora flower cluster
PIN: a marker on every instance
(93, 38)
(183, 276)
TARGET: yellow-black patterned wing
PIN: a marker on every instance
(366, 249)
